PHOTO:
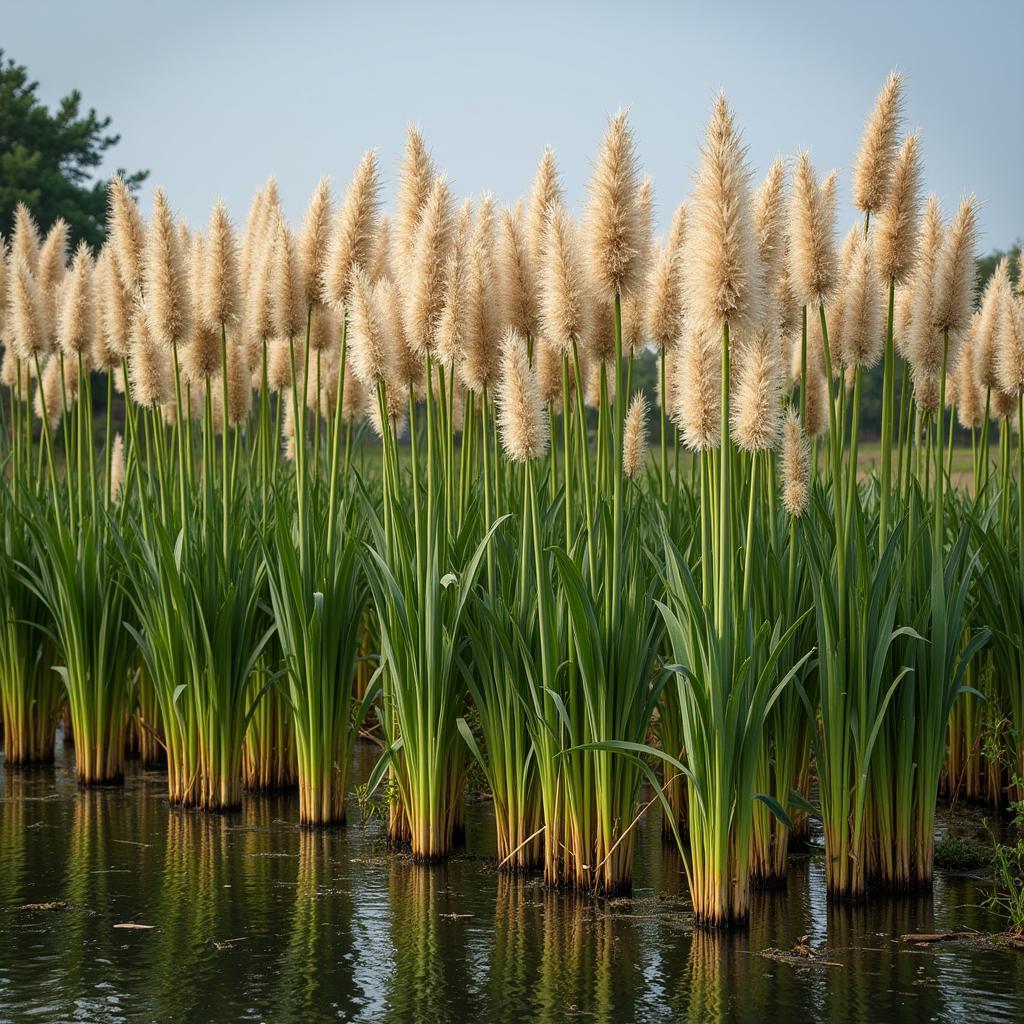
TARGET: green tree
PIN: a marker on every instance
(48, 160)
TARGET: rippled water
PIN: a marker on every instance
(254, 919)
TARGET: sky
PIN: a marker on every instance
(213, 97)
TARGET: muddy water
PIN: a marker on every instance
(250, 918)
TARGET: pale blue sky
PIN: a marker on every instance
(214, 97)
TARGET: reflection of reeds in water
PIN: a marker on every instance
(194, 911)
(865, 939)
(517, 925)
(578, 958)
(317, 968)
(13, 838)
(420, 985)
(712, 977)
(430, 942)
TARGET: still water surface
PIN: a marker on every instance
(254, 919)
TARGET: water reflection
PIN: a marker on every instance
(253, 918)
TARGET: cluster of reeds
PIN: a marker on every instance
(500, 569)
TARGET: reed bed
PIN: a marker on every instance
(392, 472)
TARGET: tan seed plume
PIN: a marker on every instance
(25, 239)
(955, 276)
(515, 274)
(699, 388)
(165, 279)
(382, 257)
(314, 240)
(665, 300)
(367, 339)
(416, 181)
(148, 370)
(872, 171)
(813, 267)
(522, 424)
(895, 230)
(545, 196)
(286, 284)
(75, 325)
(1010, 346)
(720, 271)
(220, 301)
(770, 207)
(970, 402)
(25, 314)
(114, 307)
(794, 465)
(615, 247)
(757, 405)
(634, 438)
(128, 234)
(924, 342)
(356, 237)
(116, 468)
(201, 358)
(563, 295)
(423, 289)
(404, 365)
(863, 319)
(986, 332)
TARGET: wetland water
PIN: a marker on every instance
(253, 919)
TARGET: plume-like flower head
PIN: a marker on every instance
(616, 248)
(634, 437)
(895, 230)
(522, 424)
(355, 238)
(164, 277)
(872, 172)
(720, 272)
(220, 276)
(794, 466)
(812, 252)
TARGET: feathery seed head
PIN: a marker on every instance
(165, 279)
(795, 465)
(812, 253)
(75, 325)
(545, 196)
(356, 237)
(314, 240)
(634, 437)
(616, 246)
(416, 180)
(116, 468)
(720, 261)
(563, 294)
(220, 302)
(515, 275)
(427, 260)
(128, 234)
(286, 284)
(25, 314)
(863, 319)
(924, 342)
(895, 230)
(955, 275)
(872, 172)
(25, 240)
(986, 330)
(522, 424)
(699, 389)
(757, 410)
(368, 342)
(1010, 346)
